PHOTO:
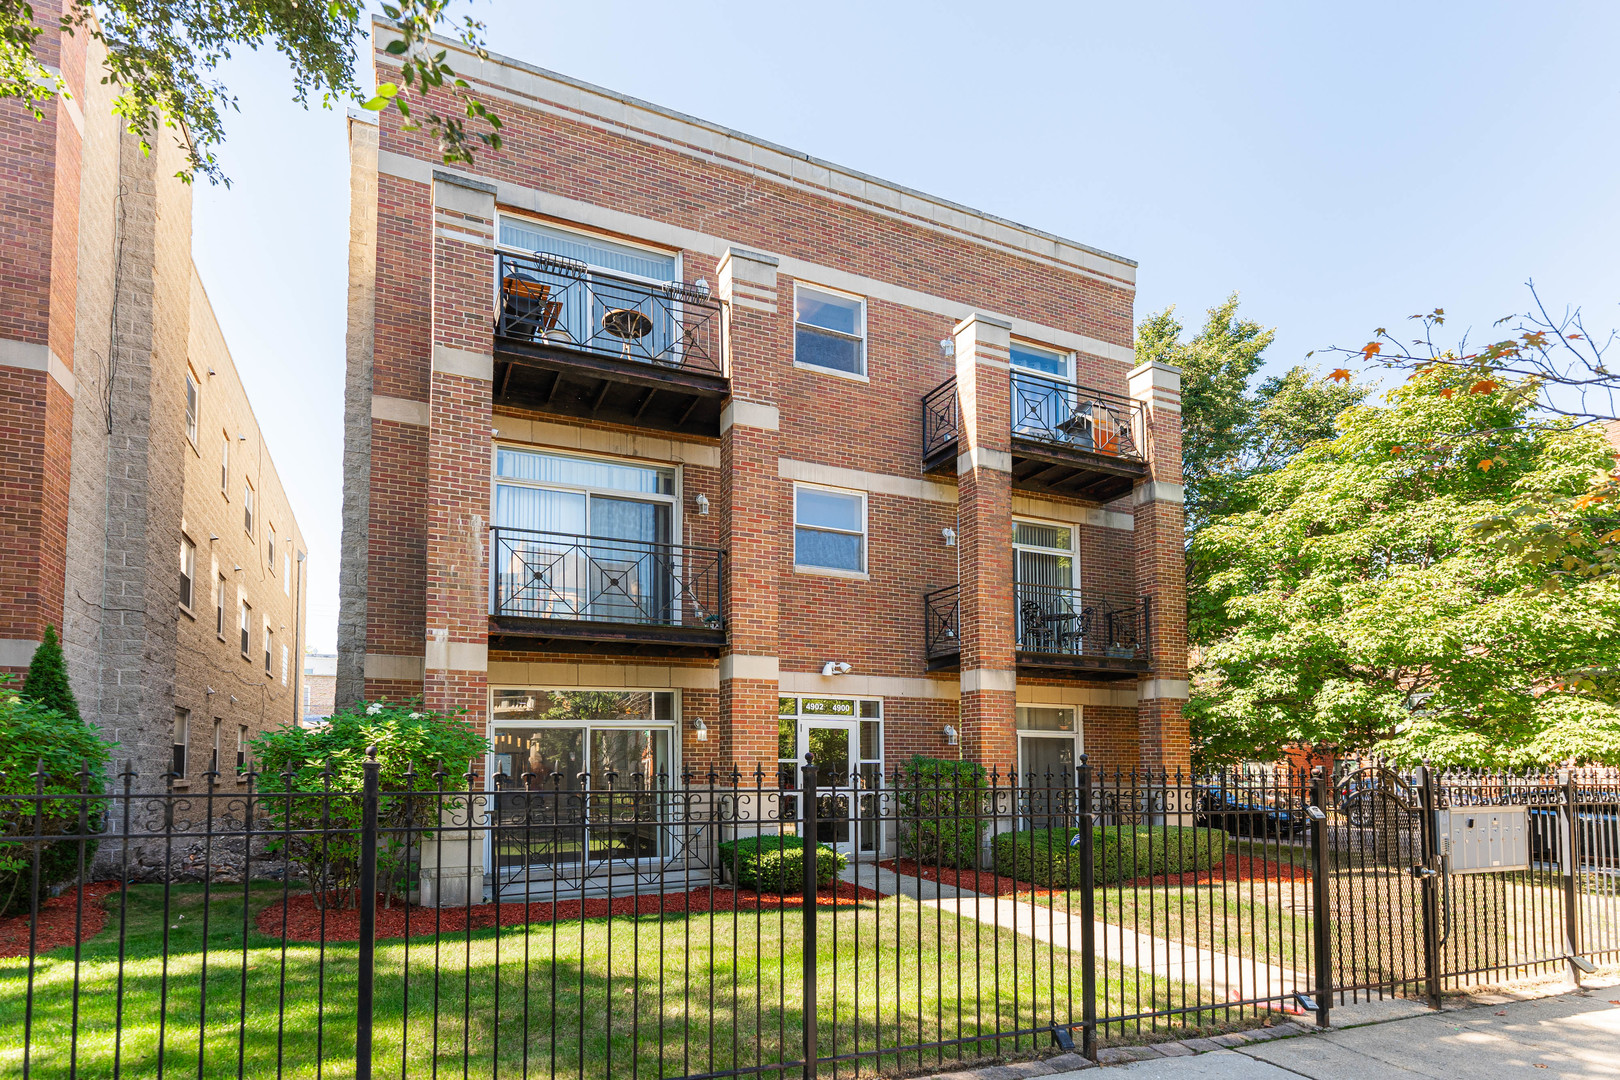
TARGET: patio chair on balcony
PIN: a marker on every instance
(1034, 632)
(527, 309)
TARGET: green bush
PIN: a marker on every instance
(34, 736)
(332, 757)
(942, 811)
(775, 863)
(1049, 857)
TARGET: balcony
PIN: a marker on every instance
(552, 590)
(1055, 631)
(1066, 440)
(575, 341)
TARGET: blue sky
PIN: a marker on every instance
(1341, 167)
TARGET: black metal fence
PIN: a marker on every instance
(1051, 619)
(554, 301)
(1075, 416)
(550, 575)
(649, 925)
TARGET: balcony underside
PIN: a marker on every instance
(589, 386)
(1101, 668)
(517, 634)
(1057, 469)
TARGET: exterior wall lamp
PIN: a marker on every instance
(702, 505)
(834, 667)
(950, 536)
(951, 736)
(701, 729)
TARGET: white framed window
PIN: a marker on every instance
(244, 612)
(181, 738)
(829, 331)
(270, 546)
(191, 407)
(1040, 360)
(1049, 616)
(247, 507)
(241, 751)
(269, 646)
(225, 464)
(219, 607)
(188, 571)
(213, 757)
(829, 529)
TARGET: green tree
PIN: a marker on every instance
(1356, 601)
(47, 681)
(162, 55)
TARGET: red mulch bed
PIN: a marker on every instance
(1235, 868)
(57, 918)
(303, 919)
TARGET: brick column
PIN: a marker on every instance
(984, 529)
(1161, 574)
(456, 658)
(39, 236)
(755, 515)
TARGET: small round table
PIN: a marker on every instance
(626, 324)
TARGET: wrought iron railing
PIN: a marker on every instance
(550, 300)
(1053, 412)
(550, 575)
(942, 622)
(1075, 416)
(941, 417)
(1056, 619)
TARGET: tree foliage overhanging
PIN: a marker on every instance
(1354, 599)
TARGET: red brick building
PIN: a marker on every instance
(672, 449)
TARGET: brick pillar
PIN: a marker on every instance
(39, 238)
(456, 658)
(984, 530)
(1161, 574)
(753, 508)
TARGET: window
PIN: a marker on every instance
(284, 662)
(541, 743)
(1050, 615)
(213, 757)
(286, 569)
(1048, 750)
(270, 540)
(191, 408)
(244, 613)
(219, 607)
(829, 529)
(182, 732)
(225, 465)
(1046, 362)
(241, 750)
(269, 645)
(247, 508)
(829, 331)
(188, 571)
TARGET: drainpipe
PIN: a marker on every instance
(298, 639)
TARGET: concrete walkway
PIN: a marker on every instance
(1570, 1036)
(1226, 977)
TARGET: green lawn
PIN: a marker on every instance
(665, 996)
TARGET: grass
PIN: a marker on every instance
(655, 996)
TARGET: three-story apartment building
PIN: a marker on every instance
(673, 450)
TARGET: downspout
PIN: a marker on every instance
(298, 638)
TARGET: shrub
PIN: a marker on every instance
(942, 811)
(1049, 857)
(34, 736)
(775, 863)
(332, 757)
(47, 681)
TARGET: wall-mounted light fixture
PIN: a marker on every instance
(950, 536)
(213, 536)
(835, 667)
(702, 505)
(951, 737)
(702, 730)
(947, 347)
(701, 285)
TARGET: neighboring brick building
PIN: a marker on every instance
(320, 687)
(949, 505)
(131, 451)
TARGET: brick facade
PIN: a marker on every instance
(753, 224)
(103, 319)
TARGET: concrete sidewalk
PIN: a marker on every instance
(1569, 1036)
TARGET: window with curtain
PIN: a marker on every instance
(1043, 402)
(590, 250)
(829, 529)
(1048, 616)
(829, 331)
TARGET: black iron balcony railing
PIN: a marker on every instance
(1053, 619)
(1074, 416)
(551, 575)
(558, 302)
(942, 622)
(1049, 411)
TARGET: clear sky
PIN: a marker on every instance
(1341, 166)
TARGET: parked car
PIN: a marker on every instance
(1597, 831)
(1245, 810)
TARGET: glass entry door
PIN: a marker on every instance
(845, 737)
(831, 744)
(1048, 753)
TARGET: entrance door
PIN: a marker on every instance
(1048, 752)
(831, 744)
